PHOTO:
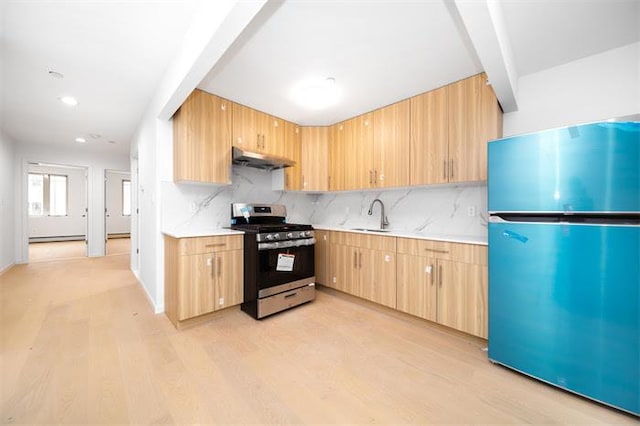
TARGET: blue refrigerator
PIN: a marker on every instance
(564, 250)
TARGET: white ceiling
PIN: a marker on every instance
(114, 53)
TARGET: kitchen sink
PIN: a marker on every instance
(370, 230)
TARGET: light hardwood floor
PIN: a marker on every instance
(80, 344)
(39, 252)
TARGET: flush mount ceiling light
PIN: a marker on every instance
(95, 135)
(81, 140)
(316, 93)
(68, 100)
(112, 142)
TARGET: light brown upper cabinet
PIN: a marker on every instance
(293, 151)
(202, 139)
(450, 128)
(391, 146)
(475, 118)
(429, 151)
(315, 156)
(258, 132)
(336, 157)
(358, 150)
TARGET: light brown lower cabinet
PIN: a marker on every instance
(363, 265)
(321, 261)
(444, 282)
(202, 275)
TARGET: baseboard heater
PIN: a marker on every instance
(57, 238)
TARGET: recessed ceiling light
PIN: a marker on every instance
(81, 140)
(112, 142)
(95, 135)
(316, 93)
(69, 100)
(56, 74)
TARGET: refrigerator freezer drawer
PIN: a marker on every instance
(589, 168)
(564, 305)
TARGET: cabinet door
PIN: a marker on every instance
(377, 276)
(462, 297)
(202, 139)
(247, 127)
(292, 175)
(416, 286)
(321, 260)
(429, 156)
(474, 119)
(315, 155)
(344, 261)
(336, 157)
(196, 295)
(358, 144)
(273, 140)
(228, 273)
(391, 145)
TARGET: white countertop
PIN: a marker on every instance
(202, 233)
(468, 239)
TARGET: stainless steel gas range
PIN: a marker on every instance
(278, 259)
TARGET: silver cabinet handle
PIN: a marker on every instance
(451, 169)
(355, 259)
(216, 245)
(219, 266)
(444, 169)
(360, 261)
(432, 274)
(436, 250)
(375, 176)
(440, 276)
(210, 263)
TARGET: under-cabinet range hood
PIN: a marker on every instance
(259, 161)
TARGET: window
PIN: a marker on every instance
(47, 194)
(126, 198)
(57, 195)
(36, 194)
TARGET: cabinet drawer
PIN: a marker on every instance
(354, 239)
(469, 253)
(209, 244)
(417, 247)
(465, 253)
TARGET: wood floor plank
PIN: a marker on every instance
(81, 345)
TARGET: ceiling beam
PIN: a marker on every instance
(216, 28)
(484, 22)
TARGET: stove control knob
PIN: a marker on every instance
(276, 236)
(305, 233)
(290, 235)
(269, 237)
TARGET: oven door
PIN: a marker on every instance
(280, 266)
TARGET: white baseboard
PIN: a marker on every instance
(6, 268)
(157, 309)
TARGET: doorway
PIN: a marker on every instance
(117, 212)
(57, 211)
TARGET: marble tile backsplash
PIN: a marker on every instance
(432, 210)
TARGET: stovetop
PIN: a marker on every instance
(271, 227)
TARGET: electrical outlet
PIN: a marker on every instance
(221, 301)
(471, 211)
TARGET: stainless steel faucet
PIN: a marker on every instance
(383, 219)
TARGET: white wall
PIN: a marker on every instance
(117, 223)
(75, 222)
(96, 165)
(595, 88)
(7, 202)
